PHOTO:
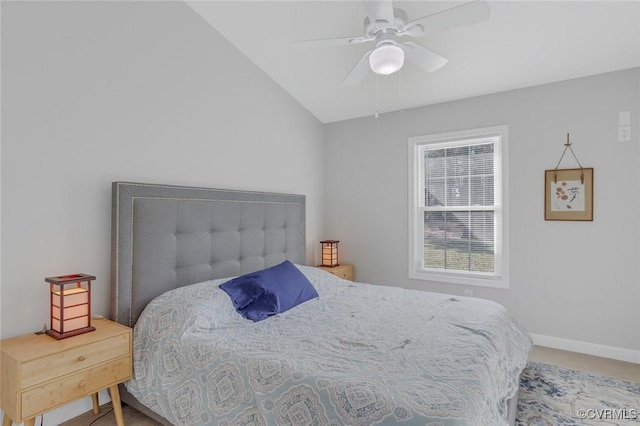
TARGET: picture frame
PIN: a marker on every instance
(568, 194)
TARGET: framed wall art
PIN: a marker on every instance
(568, 194)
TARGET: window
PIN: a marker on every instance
(457, 212)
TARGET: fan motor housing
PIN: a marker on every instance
(399, 24)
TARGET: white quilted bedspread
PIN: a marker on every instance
(359, 354)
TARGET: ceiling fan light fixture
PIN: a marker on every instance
(386, 59)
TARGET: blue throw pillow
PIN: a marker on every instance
(260, 294)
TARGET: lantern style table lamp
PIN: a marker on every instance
(330, 253)
(70, 305)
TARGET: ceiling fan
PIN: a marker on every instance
(386, 25)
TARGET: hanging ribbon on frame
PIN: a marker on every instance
(568, 146)
(569, 192)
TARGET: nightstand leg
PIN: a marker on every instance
(6, 421)
(96, 404)
(117, 407)
(30, 422)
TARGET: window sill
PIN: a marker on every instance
(461, 279)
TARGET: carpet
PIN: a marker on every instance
(553, 396)
(106, 417)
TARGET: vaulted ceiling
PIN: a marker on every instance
(522, 43)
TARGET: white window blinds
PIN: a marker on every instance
(457, 205)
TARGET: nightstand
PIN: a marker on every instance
(343, 271)
(40, 373)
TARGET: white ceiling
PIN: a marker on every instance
(523, 43)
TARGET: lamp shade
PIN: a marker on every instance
(330, 253)
(386, 59)
(70, 305)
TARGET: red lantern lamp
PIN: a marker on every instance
(70, 305)
(330, 253)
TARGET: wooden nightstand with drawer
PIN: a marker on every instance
(343, 271)
(40, 373)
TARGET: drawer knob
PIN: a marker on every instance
(83, 383)
(82, 358)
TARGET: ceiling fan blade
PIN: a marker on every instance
(329, 42)
(359, 72)
(425, 58)
(464, 14)
(379, 10)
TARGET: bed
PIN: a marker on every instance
(357, 354)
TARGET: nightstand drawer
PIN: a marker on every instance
(65, 389)
(59, 364)
(345, 274)
(344, 271)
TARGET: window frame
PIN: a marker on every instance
(417, 144)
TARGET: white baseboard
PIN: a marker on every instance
(604, 351)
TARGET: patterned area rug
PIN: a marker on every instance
(553, 396)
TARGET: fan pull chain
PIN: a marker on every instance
(376, 115)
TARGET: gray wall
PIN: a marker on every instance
(569, 280)
(95, 92)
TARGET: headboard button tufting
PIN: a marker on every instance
(146, 257)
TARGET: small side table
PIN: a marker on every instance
(344, 271)
(40, 373)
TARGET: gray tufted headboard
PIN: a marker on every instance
(163, 237)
